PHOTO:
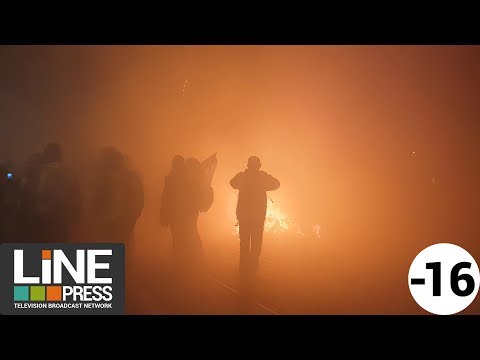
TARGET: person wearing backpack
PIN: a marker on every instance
(118, 198)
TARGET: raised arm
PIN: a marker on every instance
(236, 182)
(271, 183)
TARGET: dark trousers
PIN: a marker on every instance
(251, 235)
(187, 246)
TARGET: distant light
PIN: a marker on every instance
(276, 222)
(9, 175)
(316, 230)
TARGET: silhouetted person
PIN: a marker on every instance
(251, 211)
(198, 198)
(173, 195)
(186, 193)
(178, 211)
(58, 200)
(118, 198)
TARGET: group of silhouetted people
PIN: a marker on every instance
(43, 202)
(188, 192)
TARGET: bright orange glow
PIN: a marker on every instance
(376, 149)
(276, 221)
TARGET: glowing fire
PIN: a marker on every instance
(276, 221)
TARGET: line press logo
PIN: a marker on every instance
(62, 278)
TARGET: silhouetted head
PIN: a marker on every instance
(52, 152)
(192, 164)
(111, 158)
(193, 167)
(254, 163)
(178, 163)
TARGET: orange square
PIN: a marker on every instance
(54, 293)
(46, 254)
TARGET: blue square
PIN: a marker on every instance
(20, 293)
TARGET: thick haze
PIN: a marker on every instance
(376, 144)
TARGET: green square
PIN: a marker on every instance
(20, 293)
(37, 293)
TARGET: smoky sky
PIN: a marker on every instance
(336, 122)
(337, 125)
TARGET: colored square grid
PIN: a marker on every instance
(46, 254)
(54, 293)
(20, 293)
(37, 293)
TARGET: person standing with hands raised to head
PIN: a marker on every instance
(253, 185)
